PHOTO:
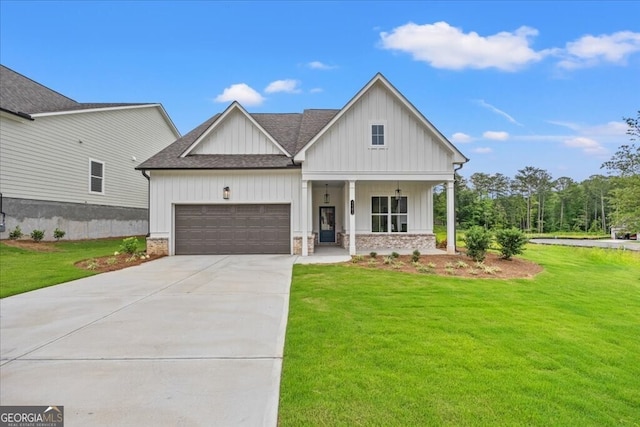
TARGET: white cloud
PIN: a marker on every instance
(482, 150)
(460, 137)
(242, 93)
(317, 65)
(609, 130)
(496, 135)
(444, 46)
(287, 86)
(316, 90)
(589, 51)
(588, 145)
(484, 104)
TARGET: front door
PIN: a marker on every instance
(327, 224)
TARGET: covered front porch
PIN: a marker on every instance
(361, 216)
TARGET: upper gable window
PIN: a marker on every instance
(96, 176)
(377, 135)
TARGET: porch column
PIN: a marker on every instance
(451, 219)
(304, 205)
(429, 198)
(352, 218)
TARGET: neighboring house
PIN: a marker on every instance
(361, 177)
(71, 165)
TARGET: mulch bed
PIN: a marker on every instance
(114, 262)
(456, 266)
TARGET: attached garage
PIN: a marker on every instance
(232, 229)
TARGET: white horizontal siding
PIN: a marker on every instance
(44, 159)
(236, 135)
(205, 187)
(410, 147)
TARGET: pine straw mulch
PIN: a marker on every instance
(455, 266)
(98, 264)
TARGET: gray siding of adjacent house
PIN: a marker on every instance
(48, 160)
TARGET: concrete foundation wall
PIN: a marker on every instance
(77, 220)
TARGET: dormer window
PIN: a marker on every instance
(377, 135)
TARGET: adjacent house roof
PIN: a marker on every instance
(289, 130)
(21, 96)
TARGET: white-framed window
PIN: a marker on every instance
(377, 134)
(96, 176)
(389, 214)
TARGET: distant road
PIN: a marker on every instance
(632, 245)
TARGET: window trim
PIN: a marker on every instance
(385, 133)
(103, 177)
(388, 215)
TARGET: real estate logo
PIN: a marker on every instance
(31, 416)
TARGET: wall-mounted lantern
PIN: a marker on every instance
(226, 193)
(398, 192)
(327, 197)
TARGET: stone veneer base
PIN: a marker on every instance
(157, 246)
(391, 241)
(297, 244)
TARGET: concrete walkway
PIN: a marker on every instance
(631, 245)
(181, 341)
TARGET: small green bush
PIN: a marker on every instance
(37, 235)
(58, 234)
(373, 254)
(395, 254)
(477, 240)
(357, 258)
(129, 245)
(415, 256)
(16, 233)
(511, 242)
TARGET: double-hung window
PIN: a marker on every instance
(377, 135)
(96, 176)
(389, 214)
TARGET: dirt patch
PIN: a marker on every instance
(30, 245)
(455, 266)
(114, 262)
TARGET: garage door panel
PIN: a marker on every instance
(232, 229)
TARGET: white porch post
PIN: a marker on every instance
(304, 205)
(429, 198)
(451, 219)
(309, 209)
(352, 218)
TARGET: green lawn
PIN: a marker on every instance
(24, 270)
(377, 348)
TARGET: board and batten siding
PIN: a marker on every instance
(48, 158)
(169, 188)
(236, 135)
(410, 147)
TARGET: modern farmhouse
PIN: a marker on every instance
(361, 177)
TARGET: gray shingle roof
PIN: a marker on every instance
(291, 130)
(23, 96)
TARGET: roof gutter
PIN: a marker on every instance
(144, 173)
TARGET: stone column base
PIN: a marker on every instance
(157, 246)
(297, 244)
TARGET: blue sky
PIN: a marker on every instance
(511, 84)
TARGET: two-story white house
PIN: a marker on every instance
(71, 165)
(361, 177)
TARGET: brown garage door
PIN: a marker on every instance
(232, 229)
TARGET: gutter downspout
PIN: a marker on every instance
(144, 173)
(455, 208)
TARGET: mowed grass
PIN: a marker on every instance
(24, 270)
(373, 348)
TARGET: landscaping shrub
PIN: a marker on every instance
(58, 234)
(511, 242)
(395, 254)
(16, 233)
(373, 254)
(477, 240)
(37, 235)
(415, 257)
(129, 245)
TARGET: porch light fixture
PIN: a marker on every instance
(327, 198)
(398, 192)
(226, 192)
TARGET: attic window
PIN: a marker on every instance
(96, 176)
(377, 135)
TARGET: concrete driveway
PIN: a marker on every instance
(181, 341)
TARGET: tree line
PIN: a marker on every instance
(534, 201)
